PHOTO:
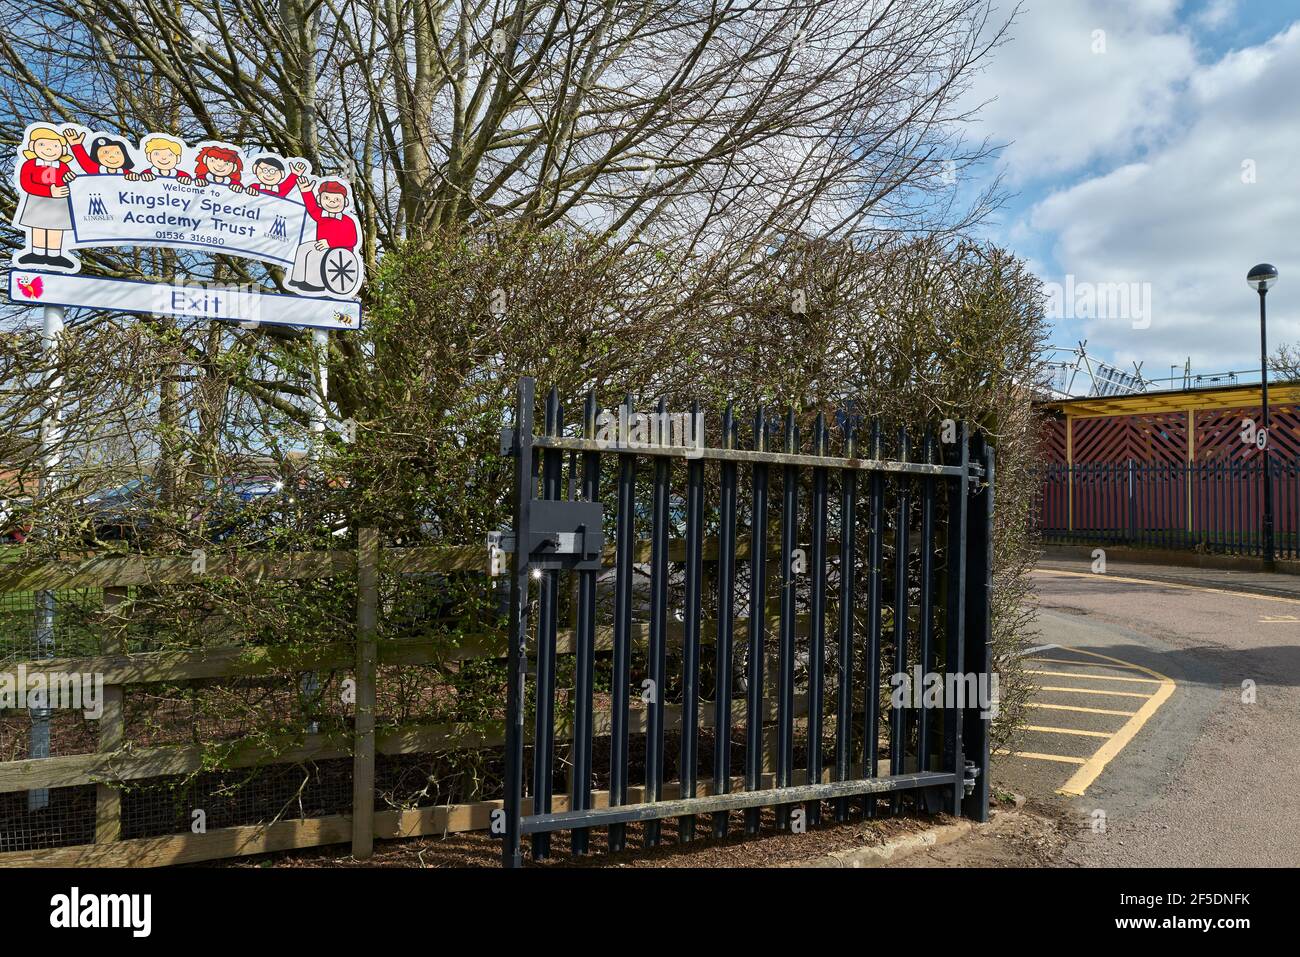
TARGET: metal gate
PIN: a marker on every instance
(904, 585)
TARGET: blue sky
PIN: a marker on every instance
(1154, 144)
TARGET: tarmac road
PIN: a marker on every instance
(1170, 717)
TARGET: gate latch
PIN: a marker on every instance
(561, 534)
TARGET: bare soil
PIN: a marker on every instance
(1036, 834)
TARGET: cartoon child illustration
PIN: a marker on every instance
(333, 230)
(271, 180)
(105, 156)
(218, 164)
(165, 155)
(45, 212)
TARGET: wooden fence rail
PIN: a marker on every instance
(115, 762)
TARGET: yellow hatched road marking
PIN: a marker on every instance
(1077, 674)
(1078, 731)
(1082, 664)
(1113, 694)
(1071, 707)
(1061, 758)
(1091, 769)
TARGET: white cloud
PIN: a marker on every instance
(1083, 80)
(1216, 13)
(1184, 220)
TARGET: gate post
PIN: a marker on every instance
(979, 629)
(511, 855)
(955, 614)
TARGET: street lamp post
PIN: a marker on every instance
(1261, 278)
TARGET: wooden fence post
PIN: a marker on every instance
(363, 752)
(112, 723)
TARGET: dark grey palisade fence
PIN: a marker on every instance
(935, 508)
(1214, 507)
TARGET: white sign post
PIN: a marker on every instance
(320, 346)
(51, 455)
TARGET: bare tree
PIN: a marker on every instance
(680, 122)
(713, 132)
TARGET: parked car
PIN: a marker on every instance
(122, 512)
(644, 513)
(125, 512)
(246, 504)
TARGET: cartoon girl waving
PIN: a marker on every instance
(105, 156)
(218, 164)
(45, 213)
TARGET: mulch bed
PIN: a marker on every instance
(770, 848)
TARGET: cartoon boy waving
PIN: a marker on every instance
(269, 171)
(334, 230)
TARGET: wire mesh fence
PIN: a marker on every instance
(220, 701)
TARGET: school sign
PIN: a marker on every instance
(106, 211)
(79, 190)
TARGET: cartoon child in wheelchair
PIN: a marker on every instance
(327, 266)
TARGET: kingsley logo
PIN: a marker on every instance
(75, 909)
(97, 208)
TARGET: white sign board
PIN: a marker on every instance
(240, 304)
(108, 210)
(79, 189)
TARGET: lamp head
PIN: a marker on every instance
(1262, 277)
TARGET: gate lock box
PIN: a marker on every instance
(561, 534)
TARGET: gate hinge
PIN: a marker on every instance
(968, 779)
